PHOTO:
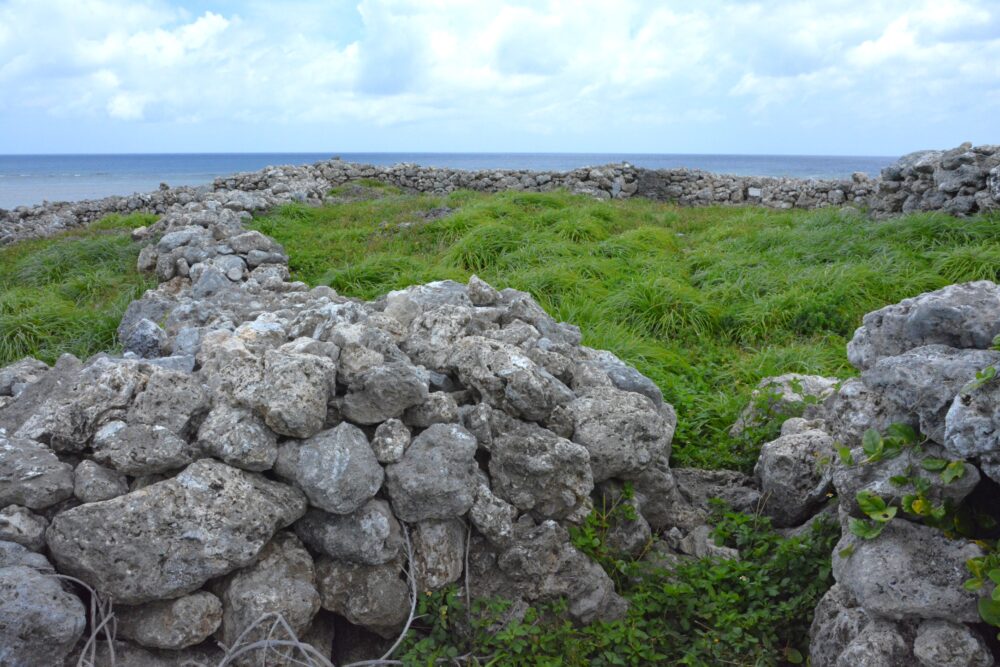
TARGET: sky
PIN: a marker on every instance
(837, 77)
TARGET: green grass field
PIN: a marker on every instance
(67, 293)
(704, 301)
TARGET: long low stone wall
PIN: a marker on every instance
(961, 181)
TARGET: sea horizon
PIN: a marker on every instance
(30, 179)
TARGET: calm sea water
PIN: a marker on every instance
(31, 179)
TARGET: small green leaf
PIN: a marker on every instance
(954, 470)
(871, 442)
(899, 480)
(866, 530)
(904, 432)
(973, 584)
(932, 464)
(845, 456)
(869, 502)
(793, 656)
(989, 611)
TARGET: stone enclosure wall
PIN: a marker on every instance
(960, 181)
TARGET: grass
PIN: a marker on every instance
(67, 293)
(704, 301)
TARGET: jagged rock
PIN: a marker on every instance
(657, 494)
(622, 375)
(628, 535)
(384, 392)
(368, 536)
(436, 478)
(140, 449)
(909, 571)
(924, 381)
(493, 517)
(946, 644)
(539, 472)
(239, 437)
(972, 423)
(295, 391)
(959, 316)
(623, 431)
(171, 624)
(169, 538)
(15, 413)
(21, 525)
(390, 441)
(336, 469)
(170, 399)
(127, 654)
(31, 474)
(282, 581)
(93, 482)
(782, 397)
(39, 621)
(507, 379)
(879, 644)
(438, 553)
(700, 543)
(695, 488)
(794, 475)
(372, 596)
(481, 293)
(231, 370)
(146, 339)
(837, 621)
(18, 376)
(101, 392)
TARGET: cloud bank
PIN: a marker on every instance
(782, 76)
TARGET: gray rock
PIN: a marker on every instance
(794, 475)
(336, 469)
(295, 392)
(282, 581)
(438, 553)
(384, 392)
(924, 381)
(493, 517)
(946, 644)
(372, 596)
(31, 474)
(960, 316)
(239, 437)
(171, 624)
(21, 525)
(837, 621)
(879, 644)
(231, 371)
(439, 408)
(93, 482)
(127, 654)
(972, 424)
(140, 449)
(623, 376)
(481, 293)
(146, 339)
(56, 381)
(169, 538)
(909, 571)
(782, 397)
(657, 495)
(12, 553)
(539, 472)
(854, 409)
(368, 536)
(436, 478)
(390, 441)
(623, 431)
(15, 378)
(695, 488)
(39, 621)
(170, 399)
(507, 379)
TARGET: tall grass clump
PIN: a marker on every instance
(68, 293)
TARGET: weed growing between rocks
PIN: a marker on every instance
(706, 301)
(752, 611)
(67, 293)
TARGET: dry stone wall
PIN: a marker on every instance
(960, 181)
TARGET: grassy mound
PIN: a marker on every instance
(67, 293)
(704, 301)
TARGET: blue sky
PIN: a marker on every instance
(847, 77)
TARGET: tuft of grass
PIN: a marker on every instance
(67, 293)
(704, 301)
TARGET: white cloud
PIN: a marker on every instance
(589, 63)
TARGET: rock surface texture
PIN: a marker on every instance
(960, 181)
(267, 448)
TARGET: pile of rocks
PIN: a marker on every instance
(960, 181)
(266, 448)
(899, 597)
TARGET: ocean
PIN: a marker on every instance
(32, 179)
